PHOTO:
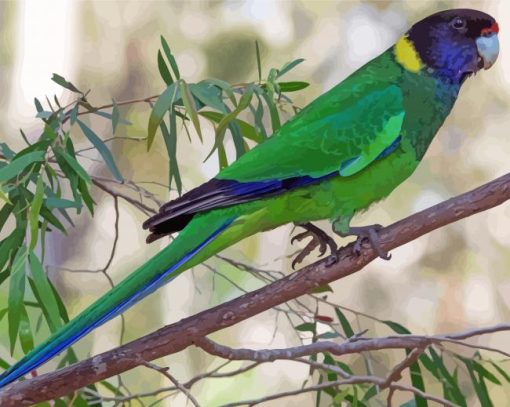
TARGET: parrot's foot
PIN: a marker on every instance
(370, 233)
(320, 239)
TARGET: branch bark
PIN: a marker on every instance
(178, 336)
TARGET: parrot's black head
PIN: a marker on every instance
(454, 43)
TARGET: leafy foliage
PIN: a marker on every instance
(44, 186)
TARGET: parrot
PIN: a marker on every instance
(350, 147)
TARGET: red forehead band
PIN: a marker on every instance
(494, 28)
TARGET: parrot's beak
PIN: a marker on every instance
(488, 50)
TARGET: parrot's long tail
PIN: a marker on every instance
(192, 246)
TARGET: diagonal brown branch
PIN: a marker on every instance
(178, 336)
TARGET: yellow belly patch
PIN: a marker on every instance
(407, 56)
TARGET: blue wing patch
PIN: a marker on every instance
(388, 150)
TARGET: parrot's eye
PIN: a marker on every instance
(458, 23)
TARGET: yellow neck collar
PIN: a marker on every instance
(406, 55)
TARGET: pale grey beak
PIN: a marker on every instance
(488, 50)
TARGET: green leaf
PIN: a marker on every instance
(9, 246)
(38, 105)
(189, 105)
(482, 371)
(223, 124)
(73, 115)
(346, 326)
(247, 130)
(273, 111)
(16, 166)
(45, 292)
(208, 94)
(35, 209)
(259, 65)
(306, 327)
(288, 66)
(60, 80)
(371, 392)
(44, 114)
(478, 384)
(6, 151)
(328, 335)
(162, 105)
(75, 165)
(397, 327)
(292, 86)
(4, 197)
(16, 295)
(103, 150)
(115, 116)
(46, 214)
(5, 212)
(417, 382)
(170, 138)
(25, 332)
(501, 371)
(170, 58)
(225, 87)
(163, 70)
(59, 203)
(85, 194)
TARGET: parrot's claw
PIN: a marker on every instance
(320, 239)
(371, 234)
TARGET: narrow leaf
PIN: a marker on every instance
(60, 80)
(103, 150)
(288, 66)
(171, 58)
(163, 70)
(292, 86)
(75, 165)
(45, 293)
(115, 115)
(189, 105)
(16, 166)
(346, 326)
(162, 105)
(259, 65)
(33, 215)
(16, 295)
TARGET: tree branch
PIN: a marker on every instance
(178, 336)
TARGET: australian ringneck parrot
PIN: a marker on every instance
(350, 147)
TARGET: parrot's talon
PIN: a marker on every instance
(320, 240)
(371, 234)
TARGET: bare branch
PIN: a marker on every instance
(164, 371)
(178, 336)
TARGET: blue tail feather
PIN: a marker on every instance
(28, 363)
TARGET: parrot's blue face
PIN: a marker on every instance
(455, 44)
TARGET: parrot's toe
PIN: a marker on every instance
(320, 240)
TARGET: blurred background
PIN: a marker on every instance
(453, 279)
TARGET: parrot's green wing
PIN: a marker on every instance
(336, 133)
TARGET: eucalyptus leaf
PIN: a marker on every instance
(163, 70)
(35, 209)
(190, 107)
(103, 150)
(60, 80)
(43, 288)
(16, 166)
(162, 105)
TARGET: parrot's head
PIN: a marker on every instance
(453, 44)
